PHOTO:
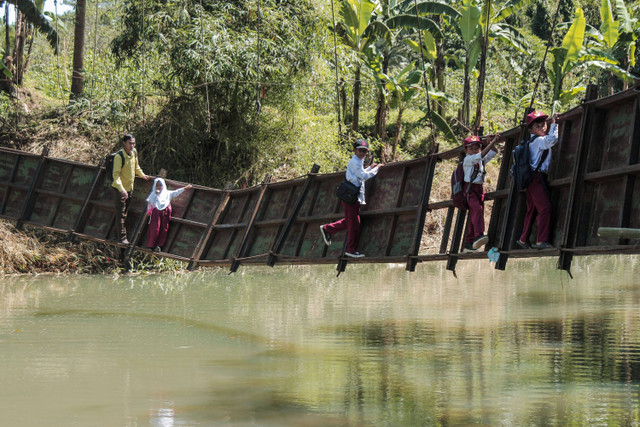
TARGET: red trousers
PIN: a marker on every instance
(537, 201)
(475, 224)
(158, 227)
(351, 223)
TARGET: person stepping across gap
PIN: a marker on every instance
(356, 174)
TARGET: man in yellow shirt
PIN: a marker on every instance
(125, 168)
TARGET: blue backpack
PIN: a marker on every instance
(521, 168)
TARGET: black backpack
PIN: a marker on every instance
(521, 169)
(459, 197)
(108, 164)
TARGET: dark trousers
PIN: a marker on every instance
(537, 201)
(351, 223)
(475, 225)
(158, 227)
(121, 209)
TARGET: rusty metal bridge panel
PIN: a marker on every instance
(593, 183)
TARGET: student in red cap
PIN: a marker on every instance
(357, 174)
(473, 164)
(537, 193)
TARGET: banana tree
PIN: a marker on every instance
(358, 30)
(572, 56)
(491, 27)
(430, 18)
(615, 35)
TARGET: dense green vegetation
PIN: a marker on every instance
(228, 91)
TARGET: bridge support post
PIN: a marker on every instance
(421, 214)
(277, 247)
(512, 215)
(573, 227)
(25, 214)
(235, 264)
(81, 220)
(201, 247)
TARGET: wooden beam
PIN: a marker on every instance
(244, 242)
(572, 223)
(281, 239)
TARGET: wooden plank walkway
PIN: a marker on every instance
(593, 183)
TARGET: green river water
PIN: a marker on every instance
(298, 346)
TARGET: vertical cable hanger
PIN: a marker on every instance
(258, 106)
(424, 78)
(544, 58)
(95, 48)
(204, 66)
(144, 70)
(335, 58)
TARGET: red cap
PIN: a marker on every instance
(470, 140)
(535, 115)
(360, 143)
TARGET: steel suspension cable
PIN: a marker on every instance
(424, 78)
(204, 65)
(144, 70)
(95, 48)
(544, 58)
(335, 58)
(258, 106)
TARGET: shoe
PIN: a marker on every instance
(467, 248)
(157, 249)
(480, 241)
(325, 236)
(543, 245)
(354, 254)
(124, 242)
(523, 245)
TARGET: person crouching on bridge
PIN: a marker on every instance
(473, 164)
(357, 174)
(159, 210)
(537, 193)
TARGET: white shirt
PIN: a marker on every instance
(540, 144)
(471, 160)
(357, 175)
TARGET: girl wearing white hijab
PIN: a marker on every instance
(159, 210)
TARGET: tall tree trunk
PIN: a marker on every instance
(396, 138)
(382, 110)
(30, 36)
(440, 65)
(18, 48)
(77, 79)
(343, 101)
(466, 93)
(7, 40)
(483, 69)
(356, 100)
(481, 79)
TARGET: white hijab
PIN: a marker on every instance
(162, 199)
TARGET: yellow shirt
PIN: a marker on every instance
(124, 174)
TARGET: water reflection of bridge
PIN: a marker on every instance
(593, 183)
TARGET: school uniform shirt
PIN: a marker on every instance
(541, 143)
(124, 174)
(357, 175)
(471, 160)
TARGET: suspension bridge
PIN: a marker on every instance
(592, 181)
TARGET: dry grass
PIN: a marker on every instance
(37, 251)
